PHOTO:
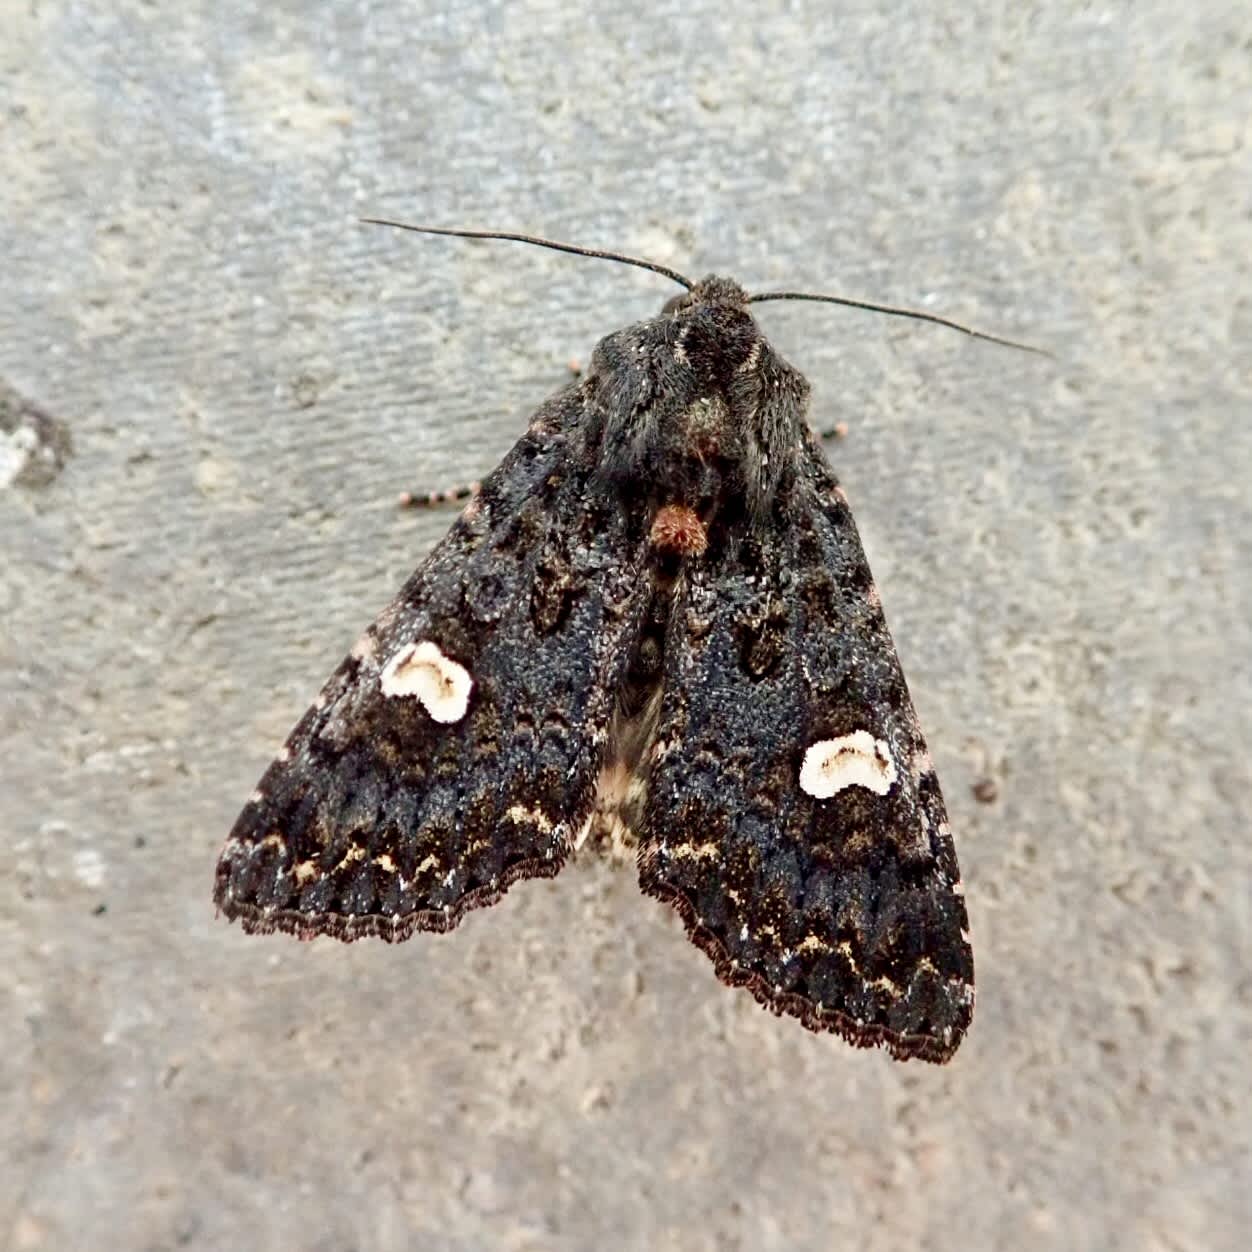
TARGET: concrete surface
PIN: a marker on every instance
(232, 380)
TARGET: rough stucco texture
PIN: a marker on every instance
(215, 384)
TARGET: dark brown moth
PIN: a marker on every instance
(652, 625)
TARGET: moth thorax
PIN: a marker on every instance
(704, 427)
(692, 452)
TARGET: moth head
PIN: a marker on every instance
(710, 332)
(709, 290)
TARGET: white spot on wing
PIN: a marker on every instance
(350, 857)
(707, 851)
(855, 760)
(306, 871)
(520, 815)
(422, 670)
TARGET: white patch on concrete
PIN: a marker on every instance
(16, 450)
(89, 867)
(422, 670)
(855, 760)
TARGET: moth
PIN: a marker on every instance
(653, 626)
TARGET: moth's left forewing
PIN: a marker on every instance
(456, 748)
(793, 816)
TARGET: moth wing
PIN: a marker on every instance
(456, 748)
(793, 817)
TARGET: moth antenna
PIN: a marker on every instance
(896, 311)
(542, 243)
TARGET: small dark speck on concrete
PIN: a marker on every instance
(305, 390)
(985, 791)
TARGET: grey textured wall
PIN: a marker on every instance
(214, 384)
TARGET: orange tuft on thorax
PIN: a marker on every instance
(676, 528)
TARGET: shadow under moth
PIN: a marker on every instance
(652, 626)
